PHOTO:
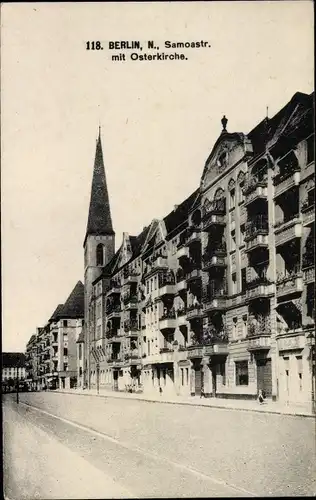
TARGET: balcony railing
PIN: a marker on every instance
(215, 207)
(309, 275)
(194, 311)
(131, 299)
(308, 211)
(288, 230)
(259, 287)
(258, 326)
(168, 315)
(289, 281)
(181, 312)
(131, 326)
(252, 183)
(114, 287)
(168, 320)
(113, 309)
(195, 274)
(257, 225)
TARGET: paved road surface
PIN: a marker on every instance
(159, 450)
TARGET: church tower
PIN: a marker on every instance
(99, 242)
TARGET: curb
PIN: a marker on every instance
(182, 403)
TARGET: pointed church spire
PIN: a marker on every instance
(99, 219)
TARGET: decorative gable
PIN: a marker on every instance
(227, 151)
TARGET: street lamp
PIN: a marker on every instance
(98, 378)
(311, 344)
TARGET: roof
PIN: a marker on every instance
(74, 305)
(285, 121)
(178, 216)
(99, 219)
(55, 314)
(13, 359)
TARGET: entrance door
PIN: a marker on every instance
(198, 381)
(264, 376)
(214, 381)
(115, 380)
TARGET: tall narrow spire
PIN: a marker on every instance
(99, 220)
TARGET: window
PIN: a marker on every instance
(65, 351)
(182, 376)
(187, 370)
(233, 240)
(243, 280)
(147, 287)
(241, 372)
(240, 192)
(311, 197)
(65, 367)
(242, 235)
(80, 351)
(232, 198)
(100, 254)
(234, 332)
(244, 325)
(234, 284)
(65, 322)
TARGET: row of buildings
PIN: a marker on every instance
(218, 296)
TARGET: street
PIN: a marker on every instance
(74, 446)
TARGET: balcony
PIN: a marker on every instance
(259, 333)
(130, 301)
(213, 303)
(131, 328)
(196, 351)
(194, 312)
(115, 362)
(286, 180)
(213, 214)
(215, 258)
(113, 311)
(183, 253)
(256, 235)
(114, 288)
(166, 355)
(255, 189)
(130, 276)
(182, 316)
(168, 321)
(181, 282)
(114, 339)
(216, 342)
(309, 275)
(289, 282)
(167, 285)
(259, 288)
(308, 212)
(259, 343)
(193, 275)
(194, 236)
(287, 230)
(132, 358)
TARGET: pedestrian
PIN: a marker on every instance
(160, 390)
(260, 397)
(202, 395)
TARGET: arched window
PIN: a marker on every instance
(100, 254)
(219, 194)
(232, 193)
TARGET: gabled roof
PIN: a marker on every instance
(284, 121)
(55, 314)
(74, 305)
(178, 216)
(99, 219)
(13, 359)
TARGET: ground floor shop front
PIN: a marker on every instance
(282, 370)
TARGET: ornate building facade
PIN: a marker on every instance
(218, 296)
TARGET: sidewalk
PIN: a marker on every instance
(229, 404)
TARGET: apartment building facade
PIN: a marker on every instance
(217, 297)
(51, 354)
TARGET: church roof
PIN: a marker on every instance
(74, 305)
(99, 219)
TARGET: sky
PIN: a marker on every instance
(159, 121)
